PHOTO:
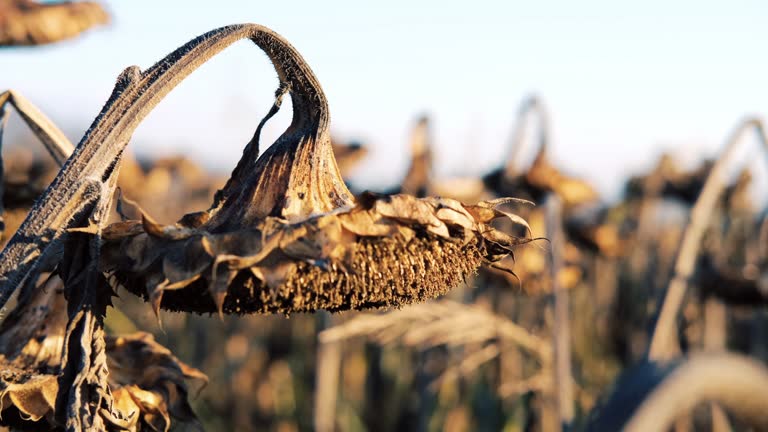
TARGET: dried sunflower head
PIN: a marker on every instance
(286, 235)
(26, 22)
(384, 251)
(668, 180)
(541, 177)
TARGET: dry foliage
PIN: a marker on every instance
(147, 385)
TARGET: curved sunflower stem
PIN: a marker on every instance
(664, 342)
(531, 104)
(306, 142)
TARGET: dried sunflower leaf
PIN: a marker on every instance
(33, 395)
(141, 370)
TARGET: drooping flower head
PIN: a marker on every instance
(286, 235)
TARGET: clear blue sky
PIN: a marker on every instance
(622, 82)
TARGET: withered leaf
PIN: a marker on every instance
(148, 384)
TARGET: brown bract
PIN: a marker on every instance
(25, 22)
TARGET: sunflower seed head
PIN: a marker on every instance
(385, 251)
